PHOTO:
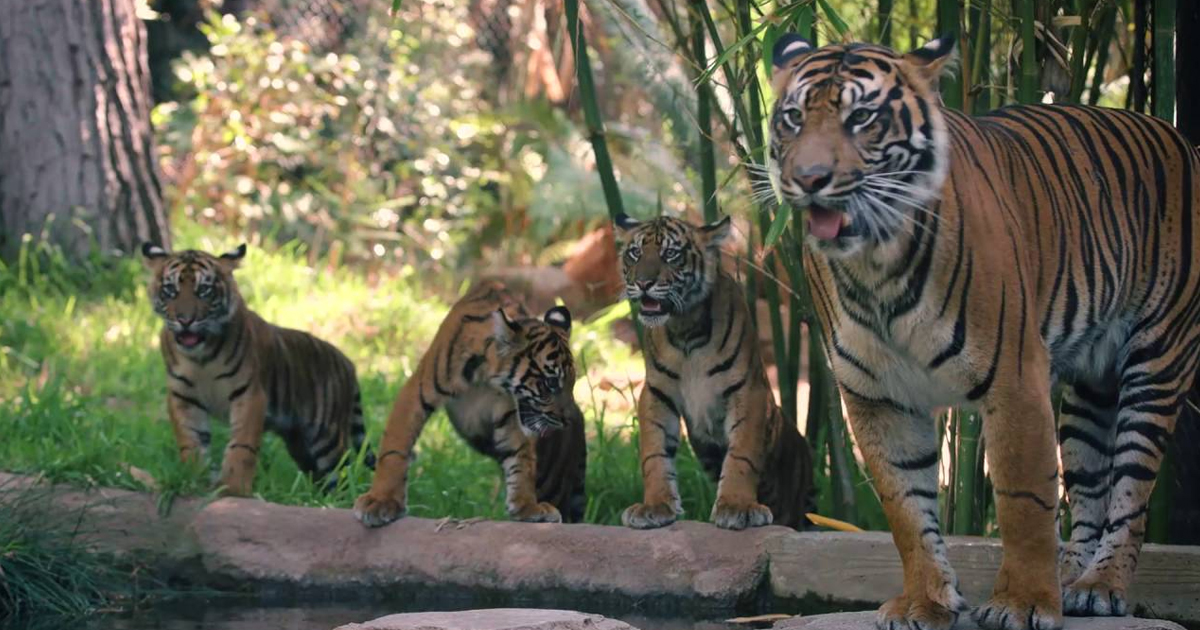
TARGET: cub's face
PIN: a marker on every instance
(192, 291)
(857, 137)
(668, 265)
(536, 366)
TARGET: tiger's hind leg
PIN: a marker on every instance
(1086, 433)
(901, 451)
(1152, 393)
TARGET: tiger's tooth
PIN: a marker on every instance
(845, 219)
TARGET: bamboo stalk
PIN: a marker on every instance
(966, 483)
(1027, 85)
(1104, 36)
(949, 17)
(1137, 72)
(981, 27)
(1163, 77)
(1079, 41)
(591, 111)
(708, 166)
(885, 22)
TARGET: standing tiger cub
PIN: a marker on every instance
(703, 363)
(222, 359)
(958, 260)
(506, 381)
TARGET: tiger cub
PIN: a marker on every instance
(702, 363)
(222, 359)
(505, 380)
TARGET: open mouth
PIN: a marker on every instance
(652, 307)
(828, 224)
(189, 339)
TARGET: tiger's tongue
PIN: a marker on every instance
(824, 223)
(188, 339)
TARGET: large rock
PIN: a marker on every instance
(492, 619)
(866, 621)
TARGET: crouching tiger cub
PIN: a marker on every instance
(973, 260)
(703, 363)
(223, 359)
(506, 381)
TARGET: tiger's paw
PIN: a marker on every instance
(1092, 598)
(231, 486)
(904, 613)
(1073, 559)
(648, 516)
(536, 513)
(1012, 611)
(375, 511)
(731, 515)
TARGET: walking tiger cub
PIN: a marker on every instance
(958, 260)
(703, 363)
(506, 381)
(222, 359)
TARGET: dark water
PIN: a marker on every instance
(223, 614)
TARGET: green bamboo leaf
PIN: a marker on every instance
(836, 20)
(396, 6)
(781, 217)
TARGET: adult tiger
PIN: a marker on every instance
(702, 363)
(506, 381)
(223, 359)
(959, 260)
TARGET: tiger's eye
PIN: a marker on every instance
(860, 117)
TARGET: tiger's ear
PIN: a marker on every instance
(934, 59)
(504, 330)
(624, 223)
(232, 258)
(153, 256)
(788, 48)
(713, 234)
(559, 318)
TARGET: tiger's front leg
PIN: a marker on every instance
(519, 461)
(901, 451)
(386, 501)
(247, 415)
(748, 421)
(658, 441)
(189, 422)
(1021, 449)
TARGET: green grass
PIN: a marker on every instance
(82, 386)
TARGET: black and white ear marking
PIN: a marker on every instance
(504, 329)
(716, 233)
(150, 250)
(559, 317)
(787, 47)
(235, 254)
(937, 48)
(624, 222)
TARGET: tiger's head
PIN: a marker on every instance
(193, 291)
(858, 136)
(535, 365)
(668, 265)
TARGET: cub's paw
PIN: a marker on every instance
(234, 487)
(374, 511)
(1090, 598)
(730, 515)
(1072, 561)
(648, 516)
(1009, 611)
(904, 613)
(536, 513)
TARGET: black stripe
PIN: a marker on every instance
(729, 391)
(1025, 494)
(181, 379)
(191, 401)
(237, 366)
(239, 391)
(664, 399)
(920, 462)
(979, 390)
(236, 445)
(924, 494)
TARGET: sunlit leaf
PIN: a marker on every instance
(836, 20)
(780, 222)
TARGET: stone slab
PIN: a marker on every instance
(864, 568)
(866, 621)
(492, 619)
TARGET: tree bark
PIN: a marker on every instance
(77, 159)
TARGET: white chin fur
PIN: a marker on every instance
(653, 321)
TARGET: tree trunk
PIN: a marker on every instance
(77, 155)
(1184, 527)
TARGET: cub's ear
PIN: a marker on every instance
(934, 59)
(713, 234)
(153, 256)
(504, 330)
(624, 222)
(788, 48)
(559, 318)
(232, 258)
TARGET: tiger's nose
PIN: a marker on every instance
(813, 178)
(644, 284)
(184, 320)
